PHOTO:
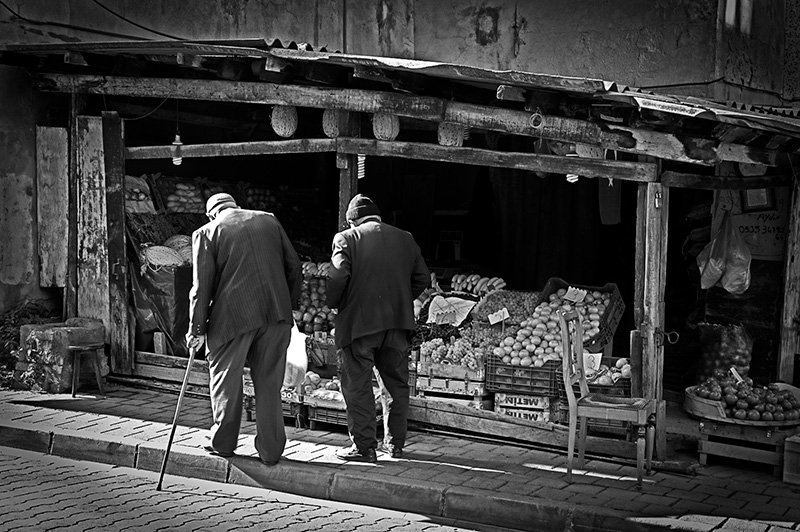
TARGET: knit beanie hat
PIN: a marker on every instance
(218, 200)
(361, 206)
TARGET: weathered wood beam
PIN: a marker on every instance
(229, 149)
(136, 110)
(510, 93)
(709, 182)
(248, 92)
(619, 138)
(641, 172)
(790, 313)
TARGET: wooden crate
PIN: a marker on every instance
(791, 460)
(450, 386)
(478, 401)
(764, 445)
(449, 371)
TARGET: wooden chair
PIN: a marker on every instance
(636, 410)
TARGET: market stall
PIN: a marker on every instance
(663, 151)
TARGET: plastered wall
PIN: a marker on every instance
(18, 255)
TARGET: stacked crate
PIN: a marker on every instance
(452, 383)
(524, 392)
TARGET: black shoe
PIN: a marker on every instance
(354, 455)
(211, 450)
(393, 451)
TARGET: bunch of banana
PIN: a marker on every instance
(315, 269)
(475, 284)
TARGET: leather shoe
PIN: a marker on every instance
(391, 450)
(210, 450)
(354, 455)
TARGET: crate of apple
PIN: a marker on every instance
(745, 402)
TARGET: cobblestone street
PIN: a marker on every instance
(40, 493)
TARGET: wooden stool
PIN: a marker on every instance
(77, 351)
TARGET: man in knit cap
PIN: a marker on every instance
(377, 272)
(247, 279)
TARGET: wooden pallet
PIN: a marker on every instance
(764, 445)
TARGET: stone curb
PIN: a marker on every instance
(377, 490)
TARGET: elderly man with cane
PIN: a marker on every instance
(247, 280)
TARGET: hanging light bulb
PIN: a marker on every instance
(177, 157)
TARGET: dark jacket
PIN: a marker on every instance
(377, 271)
(246, 275)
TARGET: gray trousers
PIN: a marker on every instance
(264, 349)
(388, 352)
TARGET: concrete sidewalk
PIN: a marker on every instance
(442, 476)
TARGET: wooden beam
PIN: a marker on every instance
(709, 182)
(510, 93)
(120, 336)
(790, 313)
(652, 328)
(230, 149)
(248, 92)
(92, 260)
(625, 139)
(641, 172)
(77, 103)
(136, 110)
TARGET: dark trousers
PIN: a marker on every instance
(387, 351)
(264, 349)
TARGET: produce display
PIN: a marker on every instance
(520, 305)
(591, 309)
(467, 347)
(314, 314)
(475, 283)
(314, 382)
(744, 400)
(608, 375)
(186, 197)
(261, 198)
(137, 195)
(724, 347)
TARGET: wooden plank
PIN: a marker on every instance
(76, 105)
(92, 256)
(196, 378)
(790, 313)
(655, 245)
(146, 358)
(52, 193)
(619, 138)
(555, 164)
(706, 182)
(638, 292)
(247, 92)
(121, 337)
(737, 452)
(230, 149)
(486, 422)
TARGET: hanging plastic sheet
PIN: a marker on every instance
(161, 301)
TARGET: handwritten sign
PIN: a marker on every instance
(576, 295)
(499, 316)
(766, 231)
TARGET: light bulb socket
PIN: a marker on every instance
(177, 157)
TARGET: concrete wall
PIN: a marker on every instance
(19, 263)
(637, 42)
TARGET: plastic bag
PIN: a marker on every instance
(712, 260)
(724, 347)
(296, 360)
(736, 278)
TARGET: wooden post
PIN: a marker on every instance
(121, 356)
(92, 231)
(790, 331)
(652, 330)
(70, 310)
(348, 166)
(638, 292)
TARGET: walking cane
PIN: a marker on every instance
(192, 352)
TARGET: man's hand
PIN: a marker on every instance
(195, 342)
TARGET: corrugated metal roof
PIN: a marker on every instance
(785, 121)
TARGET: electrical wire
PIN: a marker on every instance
(70, 26)
(129, 21)
(150, 112)
(728, 82)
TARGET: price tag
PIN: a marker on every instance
(736, 375)
(576, 295)
(499, 316)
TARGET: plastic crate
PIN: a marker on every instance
(293, 410)
(608, 321)
(322, 414)
(502, 377)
